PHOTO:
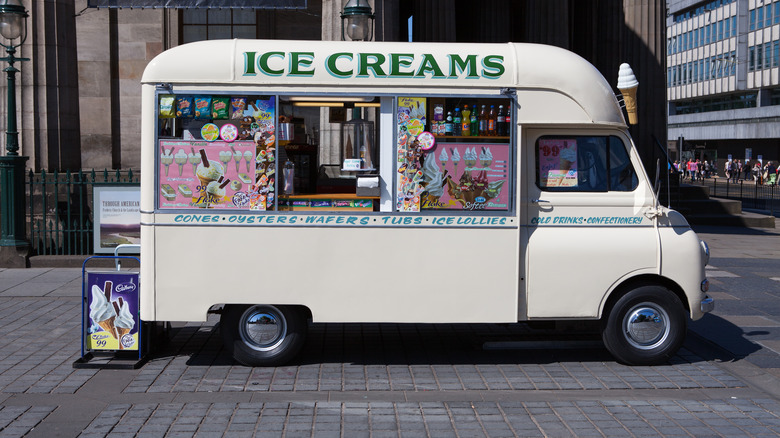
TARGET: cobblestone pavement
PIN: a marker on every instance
(378, 380)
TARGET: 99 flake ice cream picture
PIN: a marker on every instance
(111, 319)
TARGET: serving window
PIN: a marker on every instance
(584, 164)
(453, 154)
(322, 153)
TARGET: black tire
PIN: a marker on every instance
(646, 326)
(263, 335)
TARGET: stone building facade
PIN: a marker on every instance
(80, 94)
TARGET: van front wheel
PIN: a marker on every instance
(262, 335)
(646, 326)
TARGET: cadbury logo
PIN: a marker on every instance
(125, 287)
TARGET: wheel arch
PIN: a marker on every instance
(642, 280)
(220, 307)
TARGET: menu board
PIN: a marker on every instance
(465, 176)
(557, 163)
(204, 174)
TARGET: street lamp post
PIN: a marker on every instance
(358, 21)
(14, 247)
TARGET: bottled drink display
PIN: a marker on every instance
(501, 122)
(474, 122)
(457, 123)
(466, 131)
(483, 121)
(507, 121)
(491, 121)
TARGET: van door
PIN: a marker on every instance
(587, 215)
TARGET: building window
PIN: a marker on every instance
(759, 17)
(768, 14)
(752, 19)
(767, 55)
(751, 58)
(727, 25)
(730, 102)
(212, 24)
(777, 13)
(775, 53)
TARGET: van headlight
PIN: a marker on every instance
(705, 252)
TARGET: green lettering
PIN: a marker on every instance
(330, 65)
(399, 61)
(262, 63)
(429, 65)
(249, 63)
(301, 59)
(371, 61)
(458, 65)
(493, 66)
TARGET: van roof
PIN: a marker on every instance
(575, 90)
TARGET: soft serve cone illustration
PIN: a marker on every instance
(124, 320)
(101, 311)
(627, 84)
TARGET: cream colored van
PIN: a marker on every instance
(288, 181)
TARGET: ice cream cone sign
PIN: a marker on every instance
(627, 84)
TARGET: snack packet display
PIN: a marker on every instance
(203, 107)
(237, 107)
(219, 108)
(184, 106)
(167, 106)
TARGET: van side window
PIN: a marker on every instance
(583, 164)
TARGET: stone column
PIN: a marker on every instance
(644, 48)
(48, 87)
(547, 22)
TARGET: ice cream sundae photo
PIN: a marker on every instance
(474, 192)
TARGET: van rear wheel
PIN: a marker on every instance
(646, 326)
(263, 335)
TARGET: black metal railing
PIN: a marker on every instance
(60, 215)
(754, 196)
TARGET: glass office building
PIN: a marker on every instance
(723, 79)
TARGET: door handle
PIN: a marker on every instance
(539, 201)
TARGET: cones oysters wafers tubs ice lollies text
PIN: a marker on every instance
(627, 84)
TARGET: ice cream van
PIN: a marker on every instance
(285, 182)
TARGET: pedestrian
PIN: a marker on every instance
(757, 172)
(739, 171)
(746, 168)
(726, 169)
(771, 173)
(707, 169)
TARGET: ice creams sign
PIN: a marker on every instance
(347, 65)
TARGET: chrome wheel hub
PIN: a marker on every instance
(646, 326)
(262, 328)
